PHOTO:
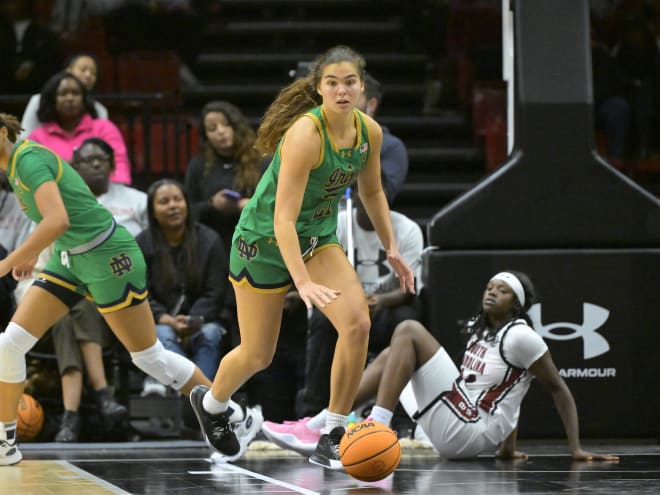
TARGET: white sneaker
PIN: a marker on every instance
(151, 386)
(245, 431)
(9, 453)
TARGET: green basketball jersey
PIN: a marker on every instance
(336, 170)
(30, 165)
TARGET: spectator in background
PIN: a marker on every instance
(7, 286)
(95, 162)
(80, 336)
(393, 153)
(186, 278)
(85, 68)
(69, 117)
(388, 307)
(221, 179)
(29, 52)
(611, 108)
(14, 229)
(637, 58)
(14, 225)
(158, 25)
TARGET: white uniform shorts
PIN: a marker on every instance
(452, 422)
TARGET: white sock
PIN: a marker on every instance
(332, 420)
(213, 406)
(381, 415)
(8, 430)
(317, 422)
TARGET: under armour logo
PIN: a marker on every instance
(121, 264)
(593, 317)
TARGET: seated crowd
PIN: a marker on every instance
(184, 230)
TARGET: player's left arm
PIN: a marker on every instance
(55, 221)
(374, 201)
(545, 371)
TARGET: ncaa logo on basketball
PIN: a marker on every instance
(358, 427)
(593, 343)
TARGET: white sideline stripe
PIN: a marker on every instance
(236, 469)
(89, 476)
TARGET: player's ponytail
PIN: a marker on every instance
(293, 101)
(301, 96)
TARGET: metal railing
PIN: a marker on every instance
(160, 138)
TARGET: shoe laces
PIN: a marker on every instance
(220, 425)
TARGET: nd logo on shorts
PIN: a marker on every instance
(245, 250)
(121, 264)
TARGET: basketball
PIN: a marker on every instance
(369, 451)
(30, 418)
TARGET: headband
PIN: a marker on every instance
(513, 282)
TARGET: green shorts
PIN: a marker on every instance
(259, 264)
(113, 274)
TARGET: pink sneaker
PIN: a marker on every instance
(293, 435)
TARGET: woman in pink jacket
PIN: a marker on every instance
(69, 117)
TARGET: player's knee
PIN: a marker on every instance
(14, 344)
(167, 367)
(404, 333)
(361, 328)
(356, 333)
(259, 361)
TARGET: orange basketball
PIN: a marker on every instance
(369, 451)
(30, 418)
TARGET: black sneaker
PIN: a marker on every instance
(327, 450)
(245, 431)
(112, 412)
(216, 427)
(69, 427)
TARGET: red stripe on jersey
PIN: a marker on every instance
(489, 400)
(459, 403)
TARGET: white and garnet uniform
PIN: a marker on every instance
(467, 412)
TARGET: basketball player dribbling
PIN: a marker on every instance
(320, 145)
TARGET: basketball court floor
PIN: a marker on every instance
(184, 468)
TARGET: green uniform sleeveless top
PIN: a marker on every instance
(30, 165)
(336, 170)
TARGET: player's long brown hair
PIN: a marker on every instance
(12, 124)
(300, 96)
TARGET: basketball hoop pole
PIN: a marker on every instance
(507, 68)
(349, 228)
